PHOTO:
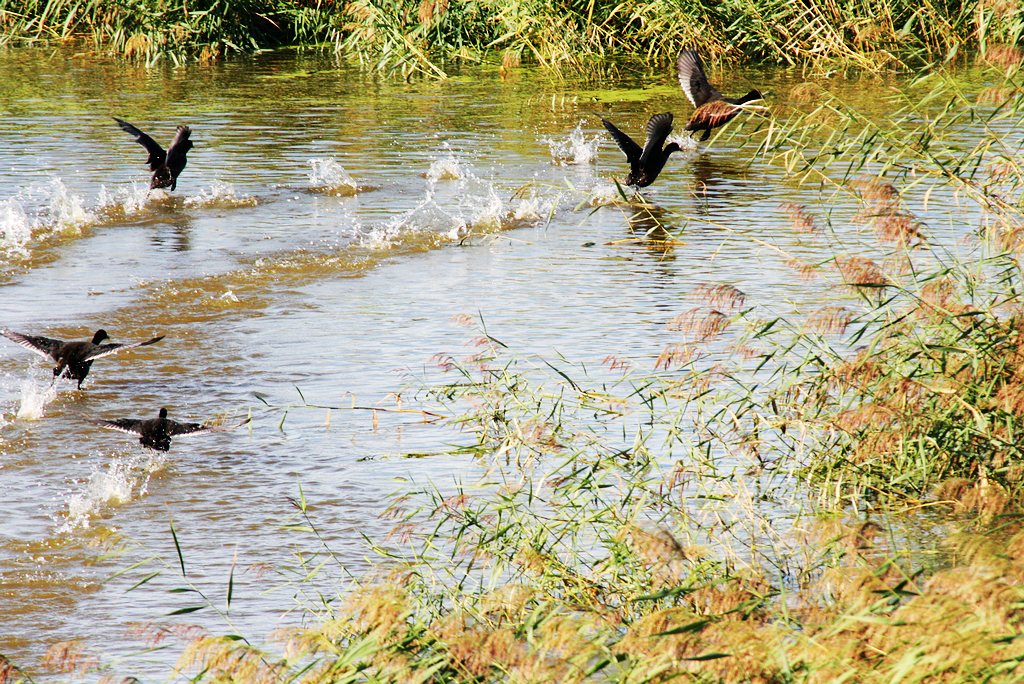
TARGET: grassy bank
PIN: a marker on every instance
(428, 35)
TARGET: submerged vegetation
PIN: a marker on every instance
(425, 35)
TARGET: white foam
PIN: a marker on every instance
(605, 193)
(40, 209)
(34, 399)
(489, 211)
(687, 143)
(327, 175)
(124, 479)
(15, 227)
(220, 194)
(124, 202)
(532, 209)
(66, 210)
(446, 168)
(578, 149)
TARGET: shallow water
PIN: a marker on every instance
(314, 249)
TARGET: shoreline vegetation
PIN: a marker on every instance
(426, 36)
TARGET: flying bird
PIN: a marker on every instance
(645, 164)
(74, 359)
(156, 433)
(713, 110)
(166, 166)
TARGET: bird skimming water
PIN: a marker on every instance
(645, 164)
(713, 110)
(156, 433)
(74, 359)
(166, 166)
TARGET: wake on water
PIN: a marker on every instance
(125, 478)
(578, 149)
(34, 399)
(44, 210)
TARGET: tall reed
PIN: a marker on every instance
(425, 36)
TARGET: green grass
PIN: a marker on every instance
(431, 36)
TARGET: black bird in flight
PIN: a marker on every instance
(74, 359)
(156, 433)
(645, 164)
(166, 166)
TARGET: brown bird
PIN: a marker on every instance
(645, 164)
(713, 110)
(74, 359)
(156, 433)
(166, 166)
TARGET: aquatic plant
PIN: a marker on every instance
(151, 31)
(603, 542)
(421, 36)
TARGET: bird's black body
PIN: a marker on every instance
(73, 359)
(166, 166)
(156, 433)
(645, 164)
(713, 109)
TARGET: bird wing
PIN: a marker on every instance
(157, 156)
(176, 152)
(99, 351)
(131, 426)
(44, 346)
(693, 79)
(175, 428)
(658, 128)
(625, 143)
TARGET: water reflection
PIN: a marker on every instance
(173, 236)
(714, 179)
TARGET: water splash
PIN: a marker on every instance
(124, 479)
(66, 210)
(532, 209)
(40, 210)
(446, 168)
(331, 178)
(687, 143)
(220, 195)
(604, 194)
(577, 150)
(35, 399)
(474, 205)
(15, 227)
(123, 203)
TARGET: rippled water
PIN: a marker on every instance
(314, 249)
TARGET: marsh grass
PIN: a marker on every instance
(425, 36)
(154, 31)
(604, 542)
